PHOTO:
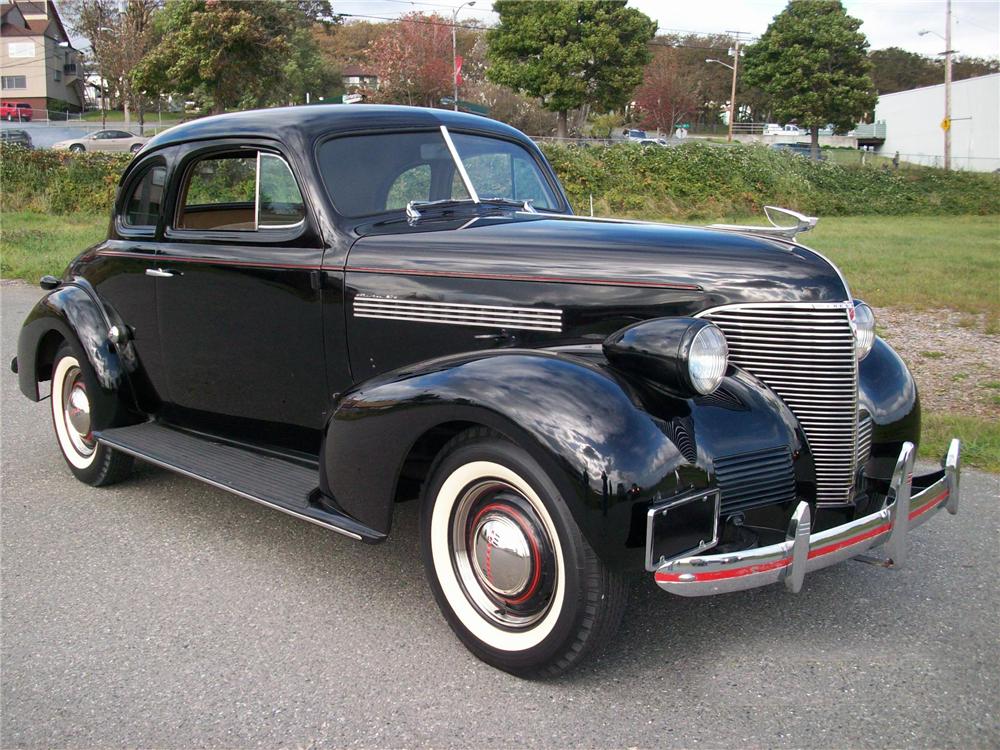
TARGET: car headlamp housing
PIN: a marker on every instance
(864, 328)
(687, 355)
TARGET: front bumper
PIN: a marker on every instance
(910, 501)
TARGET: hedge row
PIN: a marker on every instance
(694, 181)
(699, 180)
(58, 182)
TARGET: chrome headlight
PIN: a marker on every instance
(707, 359)
(687, 355)
(864, 328)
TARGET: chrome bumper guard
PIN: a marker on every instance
(803, 552)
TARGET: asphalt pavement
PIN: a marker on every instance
(164, 613)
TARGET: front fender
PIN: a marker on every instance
(612, 445)
(74, 312)
(889, 393)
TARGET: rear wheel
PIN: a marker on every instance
(73, 403)
(510, 570)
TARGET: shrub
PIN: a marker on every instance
(58, 182)
(699, 180)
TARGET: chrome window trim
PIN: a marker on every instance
(469, 187)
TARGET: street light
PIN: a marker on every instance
(454, 51)
(946, 123)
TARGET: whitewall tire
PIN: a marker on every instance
(507, 563)
(76, 407)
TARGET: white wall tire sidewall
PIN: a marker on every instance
(76, 459)
(471, 619)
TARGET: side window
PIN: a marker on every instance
(142, 210)
(413, 185)
(244, 191)
(279, 200)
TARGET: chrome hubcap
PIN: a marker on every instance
(76, 412)
(502, 555)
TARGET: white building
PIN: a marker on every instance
(913, 124)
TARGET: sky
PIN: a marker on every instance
(887, 23)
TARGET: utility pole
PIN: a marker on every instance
(732, 95)
(947, 87)
(454, 52)
(735, 67)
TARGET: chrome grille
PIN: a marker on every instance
(865, 428)
(749, 480)
(805, 354)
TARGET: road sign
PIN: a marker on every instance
(478, 109)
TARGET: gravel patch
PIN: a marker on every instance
(955, 362)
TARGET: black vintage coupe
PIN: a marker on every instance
(332, 309)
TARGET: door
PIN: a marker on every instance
(238, 301)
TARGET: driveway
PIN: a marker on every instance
(165, 613)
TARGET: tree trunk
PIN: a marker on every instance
(561, 130)
(814, 137)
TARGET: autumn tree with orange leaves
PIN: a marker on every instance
(413, 60)
(668, 93)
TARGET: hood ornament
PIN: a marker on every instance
(803, 223)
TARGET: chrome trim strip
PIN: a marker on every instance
(227, 488)
(664, 507)
(457, 313)
(470, 188)
(803, 553)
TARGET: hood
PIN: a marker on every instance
(710, 267)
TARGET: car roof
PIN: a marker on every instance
(318, 119)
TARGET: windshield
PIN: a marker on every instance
(372, 174)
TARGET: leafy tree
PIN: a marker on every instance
(812, 62)
(971, 67)
(669, 91)
(247, 53)
(120, 35)
(569, 53)
(412, 60)
(895, 69)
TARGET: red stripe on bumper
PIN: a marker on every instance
(929, 506)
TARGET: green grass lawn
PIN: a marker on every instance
(911, 262)
(917, 262)
(32, 244)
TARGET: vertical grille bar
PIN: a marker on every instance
(805, 354)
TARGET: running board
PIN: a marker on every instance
(283, 484)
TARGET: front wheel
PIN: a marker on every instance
(136, 148)
(77, 148)
(508, 566)
(73, 411)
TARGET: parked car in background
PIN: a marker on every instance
(12, 111)
(116, 141)
(330, 310)
(775, 129)
(799, 149)
(636, 135)
(16, 137)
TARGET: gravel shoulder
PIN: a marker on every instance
(955, 362)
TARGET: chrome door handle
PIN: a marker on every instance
(161, 273)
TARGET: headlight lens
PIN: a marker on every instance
(707, 359)
(864, 328)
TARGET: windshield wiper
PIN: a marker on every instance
(415, 209)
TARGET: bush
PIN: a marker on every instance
(693, 181)
(699, 181)
(58, 182)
